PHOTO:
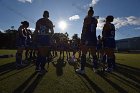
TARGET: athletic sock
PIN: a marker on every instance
(104, 58)
(95, 62)
(18, 58)
(43, 62)
(83, 61)
(109, 62)
(113, 62)
(38, 61)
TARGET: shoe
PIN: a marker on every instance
(42, 72)
(80, 71)
(23, 64)
(95, 70)
(37, 69)
(18, 65)
(26, 61)
(108, 69)
(103, 69)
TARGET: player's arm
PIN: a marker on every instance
(35, 33)
(51, 27)
(52, 31)
(23, 32)
(105, 29)
(113, 27)
(37, 28)
(96, 22)
(84, 25)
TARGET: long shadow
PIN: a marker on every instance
(117, 87)
(129, 72)
(7, 68)
(34, 84)
(92, 84)
(15, 73)
(24, 85)
(59, 66)
(127, 82)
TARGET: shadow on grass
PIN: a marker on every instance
(59, 64)
(15, 73)
(127, 82)
(113, 84)
(34, 84)
(95, 87)
(7, 68)
(129, 72)
(25, 84)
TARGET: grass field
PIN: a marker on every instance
(61, 77)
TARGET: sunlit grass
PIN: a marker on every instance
(63, 79)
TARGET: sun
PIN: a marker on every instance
(62, 25)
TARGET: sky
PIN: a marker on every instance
(73, 12)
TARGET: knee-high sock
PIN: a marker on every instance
(104, 58)
(43, 62)
(38, 62)
(83, 61)
(113, 62)
(109, 62)
(95, 63)
(18, 58)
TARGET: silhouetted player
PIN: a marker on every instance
(109, 44)
(21, 42)
(88, 40)
(43, 26)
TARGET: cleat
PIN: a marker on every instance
(79, 71)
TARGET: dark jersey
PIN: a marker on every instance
(22, 32)
(29, 34)
(43, 26)
(89, 26)
(108, 30)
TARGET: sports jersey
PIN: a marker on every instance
(108, 31)
(89, 31)
(43, 26)
(21, 37)
(29, 38)
(109, 36)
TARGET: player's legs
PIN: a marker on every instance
(21, 43)
(110, 46)
(43, 50)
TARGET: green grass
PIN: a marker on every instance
(61, 78)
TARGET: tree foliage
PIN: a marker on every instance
(8, 39)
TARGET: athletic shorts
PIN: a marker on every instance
(43, 40)
(28, 43)
(109, 43)
(21, 42)
(99, 46)
(89, 40)
(75, 48)
(61, 47)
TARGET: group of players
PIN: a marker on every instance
(44, 43)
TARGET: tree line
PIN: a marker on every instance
(8, 38)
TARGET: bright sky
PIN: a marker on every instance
(71, 14)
